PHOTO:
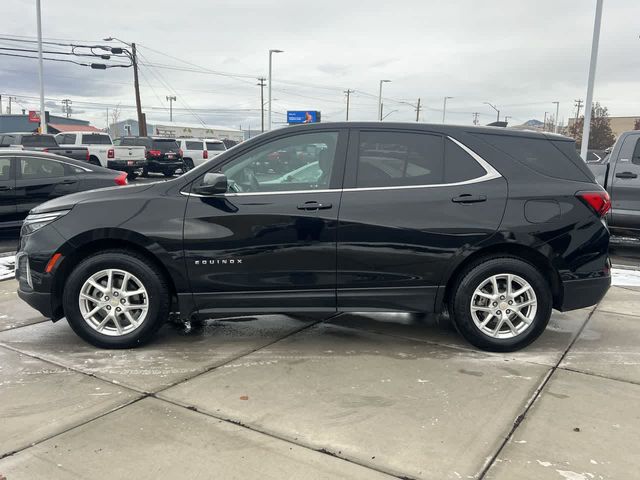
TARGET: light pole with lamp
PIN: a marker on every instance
(380, 99)
(495, 108)
(271, 52)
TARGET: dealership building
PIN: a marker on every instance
(22, 122)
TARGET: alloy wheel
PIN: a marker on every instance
(503, 306)
(113, 302)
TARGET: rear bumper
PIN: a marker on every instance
(583, 292)
(164, 165)
(126, 165)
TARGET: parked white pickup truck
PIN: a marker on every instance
(104, 153)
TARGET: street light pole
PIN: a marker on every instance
(592, 75)
(444, 108)
(43, 120)
(171, 98)
(495, 108)
(380, 99)
(556, 119)
(261, 84)
(271, 52)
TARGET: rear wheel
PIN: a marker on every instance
(94, 161)
(132, 175)
(501, 304)
(116, 299)
(188, 164)
(145, 172)
(169, 173)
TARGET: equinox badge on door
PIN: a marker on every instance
(223, 261)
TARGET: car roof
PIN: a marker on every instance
(191, 139)
(217, 140)
(432, 127)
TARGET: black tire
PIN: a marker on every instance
(472, 277)
(94, 161)
(188, 164)
(169, 173)
(132, 175)
(145, 172)
(134, 263)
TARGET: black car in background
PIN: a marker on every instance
(497, 227)
(42, 143)
(163, 153)
(29, 178)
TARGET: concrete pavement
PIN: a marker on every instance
(354, 396)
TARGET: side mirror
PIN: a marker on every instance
(212, 183)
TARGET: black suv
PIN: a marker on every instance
(163, 154)
(496, 226)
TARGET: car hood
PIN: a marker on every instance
(69, 201)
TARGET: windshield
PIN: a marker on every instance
(96, 139)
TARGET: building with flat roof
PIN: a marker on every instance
(618, 124)
(20, 123)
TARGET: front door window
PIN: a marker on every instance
(297, 162)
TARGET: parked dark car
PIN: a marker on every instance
(42, 143)
(620, 176)
(496, 226)
(29, 178)
(163, 154)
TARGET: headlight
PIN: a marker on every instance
(38, 220)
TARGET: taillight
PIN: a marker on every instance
(121, 179)
(155, 153)
(111, 153)
(87, 157)
(205, 154)
(598, 201)
(45, 149)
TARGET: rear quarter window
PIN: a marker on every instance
(553, 158)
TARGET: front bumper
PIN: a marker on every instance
(583, 292)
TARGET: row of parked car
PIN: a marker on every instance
(130, 154)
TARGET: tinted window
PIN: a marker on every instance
(215, 146)
(39, 141)
(459, 166)
(8, 140)
(165, 144)
(5, 168)
(140, 142)
(636, 153)
(399, 158)
(568, 149)
(297, 162)
(95, 139)
(541, 155)
(33, 167)
(194, 145)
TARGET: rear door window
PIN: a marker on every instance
(35, 167)
(459, 166)
(215, 146)
(557, 159)
(388, 159)
(191, 145)
(39, 141)
(5, 168)
(635, 158)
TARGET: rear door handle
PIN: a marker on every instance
(4, 188)
(313, 205)
(467, 198)
(626, 175)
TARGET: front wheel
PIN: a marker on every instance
(116, 299)
(501, 304)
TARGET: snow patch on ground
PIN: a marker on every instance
(7, 267)
(625, 277)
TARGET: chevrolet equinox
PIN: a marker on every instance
(495, 226)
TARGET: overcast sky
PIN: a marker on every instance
(520, 56)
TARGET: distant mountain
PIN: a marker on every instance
(533, 123)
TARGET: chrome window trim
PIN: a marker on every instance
(491, 174)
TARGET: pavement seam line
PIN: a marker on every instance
(25, 325)
(73, 427)
(619, 313)
(267, 433)
(529, 404)
(598, 375)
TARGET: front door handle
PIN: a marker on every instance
(4, 188)
(626, 175)
(313, 205)
(68, 182)
(467, 198)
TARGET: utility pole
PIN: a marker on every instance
(444, 108)
(348, 93)
(380, 106)
(418, 108)
(590, 83)
(67, 109)
(142, 125)
(43, 118)
(1, 112)
(557, 116)
(171, 98)
(475, 118)
(271, 52)
(578, 106)
(544, 124)
(261, 83)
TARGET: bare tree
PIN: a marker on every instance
(115, 117)
(636, 125)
